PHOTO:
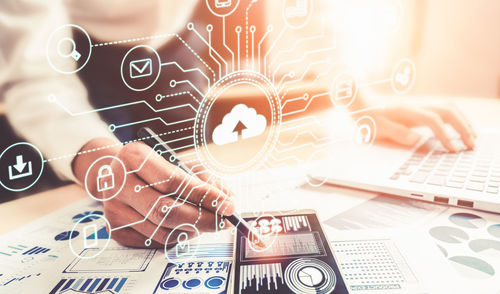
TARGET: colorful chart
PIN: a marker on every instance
(13, 249)
(101, 234)
(87, 213)
(207, 276)
(65, 236)
(36, 250)
(90, 285)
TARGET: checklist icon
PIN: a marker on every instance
(141, 68)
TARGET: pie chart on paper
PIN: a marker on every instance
(310, 276)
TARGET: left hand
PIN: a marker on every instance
(394, 123)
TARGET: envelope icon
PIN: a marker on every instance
(141, 68)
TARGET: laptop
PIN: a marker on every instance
(427, 172)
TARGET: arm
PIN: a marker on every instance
(73, 143)
(27, 80)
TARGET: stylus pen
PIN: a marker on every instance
(154, 141)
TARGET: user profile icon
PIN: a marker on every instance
(63, 53)
(186, 246)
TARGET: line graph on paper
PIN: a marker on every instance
(289, 245)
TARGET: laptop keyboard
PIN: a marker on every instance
(474, 170)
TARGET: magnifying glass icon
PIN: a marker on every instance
(73, 53)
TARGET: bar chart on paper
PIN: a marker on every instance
(92, 285)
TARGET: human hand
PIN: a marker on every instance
(159, 204)
(394, 123)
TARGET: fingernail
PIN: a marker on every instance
(451, 148)
(471, 142)
(412, 138)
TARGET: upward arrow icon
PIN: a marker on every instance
(239, 128)
(20, 165)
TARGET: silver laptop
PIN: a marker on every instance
(427, 172)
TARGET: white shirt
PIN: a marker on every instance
(26, 79)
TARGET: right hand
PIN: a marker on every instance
(151, 209)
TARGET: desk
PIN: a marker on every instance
(482, 112)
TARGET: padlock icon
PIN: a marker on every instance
(105, 179)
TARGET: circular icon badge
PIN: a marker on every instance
(62, 51)
(344, 89)
(140, 68)
(103, 180)
(365, 131)
(267, 227)
(94, 236)
(234, 135)
(21, 166)
(297, 13)
(403, 76)
(222, 8)
(185, 246)
(310, 275)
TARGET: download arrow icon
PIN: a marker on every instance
(20, 165)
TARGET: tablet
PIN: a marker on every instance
(297, 257)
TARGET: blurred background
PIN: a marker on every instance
(455, 45)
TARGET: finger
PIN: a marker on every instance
(131, 238)
(122, 217)
(449, 115)
(206, 176)
(169, 179)
(467, 122)
(396, 132)
(422, 117)
(159, 209)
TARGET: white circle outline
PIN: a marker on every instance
(308, 18)
(118, 191)
(334, 85)
(374, 133)
(50, 39)
(414, 76)
(39, 174)
(83, 236)
(299, 264)
(254, 79)
(219, 14)
(157, 75)
(170, 234)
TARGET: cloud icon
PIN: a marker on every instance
(241, 121)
